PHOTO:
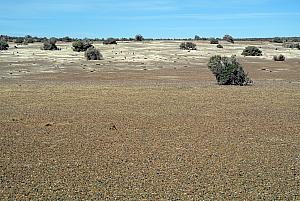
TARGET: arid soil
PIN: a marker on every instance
(148, 122)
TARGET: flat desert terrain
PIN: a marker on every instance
(148, 122)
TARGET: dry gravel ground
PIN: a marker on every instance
(151, 126)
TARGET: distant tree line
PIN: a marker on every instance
(31, 39)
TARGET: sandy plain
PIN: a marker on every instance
(148, 123)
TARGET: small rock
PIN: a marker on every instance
(113, 127)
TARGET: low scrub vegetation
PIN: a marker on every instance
(3, 45)
(277, 40)
(28, 39)
(228, 71)
(50, 44)
(279, 58)
(252, 51)
(110, 41)
(81, 46)
(19, 40)
(93, 54)
(219, 46)
(214, 41)
(228, 38)
(188, 46)
(291, 45)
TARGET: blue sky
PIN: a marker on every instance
(151, 18)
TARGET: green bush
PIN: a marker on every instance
(252, 51)
(219, 46)
(81, 46)
(214, 41)
(228, 71)
(139, 37)
(50, 44)
(188, 46)
(279, 58)
(3, 45)
(228, 38)
(93, 54)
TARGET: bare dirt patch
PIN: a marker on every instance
(147, 128)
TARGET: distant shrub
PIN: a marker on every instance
(214, 41)
(139, 37)
(188, 46)
(28, 39)
(291, 45)
(38, 40)
(50, 44)
(279, 58)
(228, 71)
(228, 38)
(3, 45)
(219, 46)
(19, 40)
(66, 39)
(252, 51)
(197, 37)
(93, 54)
(81, 46)
(110, 41)
(53, 40)
(277, 40)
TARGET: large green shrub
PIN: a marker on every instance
(81, 46)
(228, 71)
(188, 46)
(93, 54)
(228, 38)
(252, 51)
(50, 44)
(3, 45)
